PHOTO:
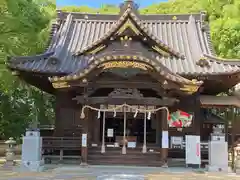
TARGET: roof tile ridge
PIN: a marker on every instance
(63, 34)
(206, 30)
(107, 34)
(141, 25)
(54, 33)
(157, 40)
(195, 46)
(23, 59)
(222, 60)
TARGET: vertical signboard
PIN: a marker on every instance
(165, 143)
(84, 140)
(110, 132)
(193, 150)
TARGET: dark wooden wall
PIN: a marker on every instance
(68, 122)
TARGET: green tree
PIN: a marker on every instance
(24, 30)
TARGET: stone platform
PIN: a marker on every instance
(92, 172)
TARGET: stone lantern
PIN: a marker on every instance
(10, 152)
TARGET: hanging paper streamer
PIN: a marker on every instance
(82, 116)
(149, 116)
(115, 113)
(180, 119)
(99, 114)
(136, 112)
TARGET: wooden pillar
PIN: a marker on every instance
(158, 128)
(197, 117)
(96, 127)
(164, 151)
(233, 134)
(84, 150)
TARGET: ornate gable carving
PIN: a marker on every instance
(125, 93)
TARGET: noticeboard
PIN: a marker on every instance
(193, 150)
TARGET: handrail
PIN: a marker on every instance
(61, 142)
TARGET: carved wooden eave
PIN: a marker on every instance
(129, 20)
(127, 93)
(60, 85)
(150, 65)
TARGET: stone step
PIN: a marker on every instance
(124, 162)
(123, 157)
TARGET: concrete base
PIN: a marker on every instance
(224, 169)
(165, 165)
(84, 164)
(218, 156)
(237, 171)
(32, 166)
(9, 165)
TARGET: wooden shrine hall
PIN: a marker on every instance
(118, 79)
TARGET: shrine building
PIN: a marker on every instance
(126, 84)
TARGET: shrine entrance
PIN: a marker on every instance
(114, 130)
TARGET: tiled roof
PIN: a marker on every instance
(187, 34)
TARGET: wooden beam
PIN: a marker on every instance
(122, 84)
(131, 101)
(160, 90)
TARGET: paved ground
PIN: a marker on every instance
(91, 173)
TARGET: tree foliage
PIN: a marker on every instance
(24, 30)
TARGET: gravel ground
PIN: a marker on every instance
(91, 173)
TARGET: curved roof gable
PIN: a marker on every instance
(130, 20)
(79, 32)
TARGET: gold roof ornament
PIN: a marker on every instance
(59, 85)
(97, 49)
(174, 18)
(128, 24)
(190, 89)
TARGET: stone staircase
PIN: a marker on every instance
(114, 156)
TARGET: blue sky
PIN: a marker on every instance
(98, 3)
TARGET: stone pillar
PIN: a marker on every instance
(144, 149)
(164, 151)
(84, 150)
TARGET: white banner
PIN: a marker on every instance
(193, 150)
(84, 140)
(110, 133)
(165, 142)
